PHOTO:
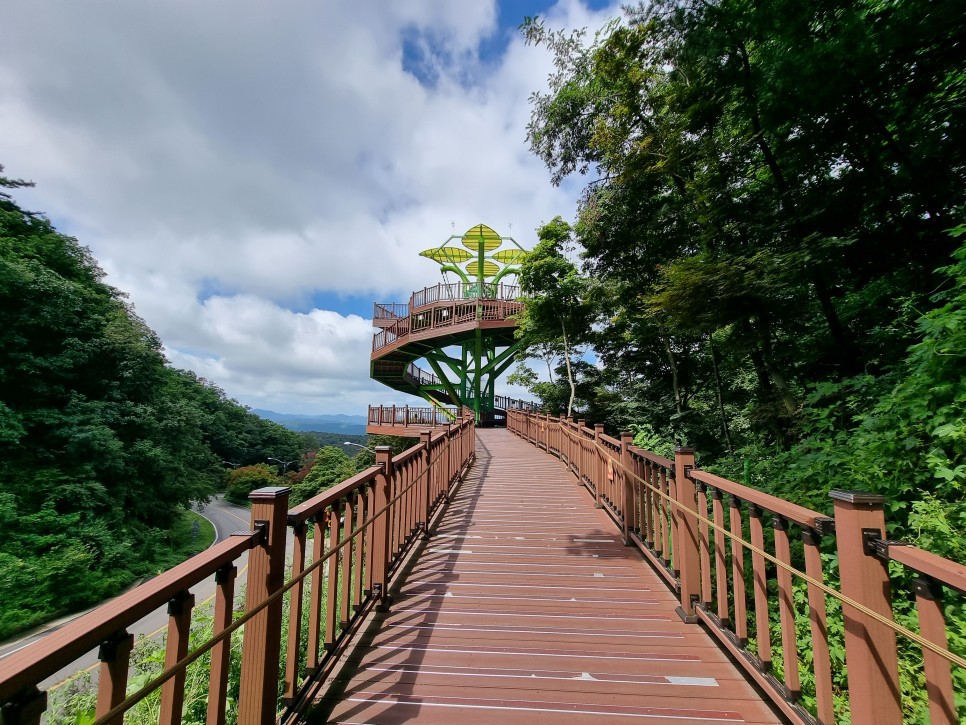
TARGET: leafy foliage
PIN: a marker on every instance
(775, 190)
(102, 445)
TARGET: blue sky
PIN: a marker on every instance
(255, 179)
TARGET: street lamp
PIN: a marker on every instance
(359, 445)
(282, 465)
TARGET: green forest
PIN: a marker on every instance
(103, 445)
(767, 261)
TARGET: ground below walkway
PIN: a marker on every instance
(524, 607)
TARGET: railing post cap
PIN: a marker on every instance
(383, 449)
(683, 450)
(269, 493)
(626, 434)
(858, 497)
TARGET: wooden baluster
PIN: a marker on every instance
(720, 558)
(667, 516)
(346, 559)
(315, 595)
(786, 609)
(115, 657)
(629, 503)
(332, 577)
(426, 487)
(295, 612)
(762, 632)
(738, 570)
(369, 537)
(179, 626)
(932, 626)
(817, 614)
(704, 543)
(870, 647)
(263, 633)
(675, 534)
(650, 516)
(359, 551)
(598, 472)
(221, 653)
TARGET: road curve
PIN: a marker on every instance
(226, 518)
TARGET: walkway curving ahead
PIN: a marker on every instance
(524, 607)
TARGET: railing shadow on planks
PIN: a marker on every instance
(362, 530)
(675, 514)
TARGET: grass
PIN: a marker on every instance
(191, 534)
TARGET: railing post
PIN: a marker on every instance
(687, 543)
(426, 438)
(257, 701)
(380, 539)
(870, 647)
(628, 504)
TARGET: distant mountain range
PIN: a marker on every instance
(351, 424)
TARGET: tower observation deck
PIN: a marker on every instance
(449, 343)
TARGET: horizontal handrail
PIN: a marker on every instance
(319, 502)
(793, 512)
(949, 573)
(61, 647)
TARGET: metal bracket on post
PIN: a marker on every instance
(874, 545)
(26, 707)
(261, 529)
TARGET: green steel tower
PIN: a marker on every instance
(463, 331)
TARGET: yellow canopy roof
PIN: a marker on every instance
(489, 268)
(509, 256)
(447, 255)
(481, 234)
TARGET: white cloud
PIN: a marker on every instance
(271, 152)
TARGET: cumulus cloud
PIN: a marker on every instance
(225, 159)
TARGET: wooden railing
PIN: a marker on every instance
(463, 291)
(410, 416)
(445, 315)
(762, 593)
(363, 528)
(504, 402)
(389, 310)
(413, 417)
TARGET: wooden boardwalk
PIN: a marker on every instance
(524, 607)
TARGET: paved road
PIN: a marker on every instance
(227, 518)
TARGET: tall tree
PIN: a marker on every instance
(555, 310)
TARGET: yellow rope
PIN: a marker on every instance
(898, 628)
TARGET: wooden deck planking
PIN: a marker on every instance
(524, 607)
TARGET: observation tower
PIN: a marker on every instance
(450, 343)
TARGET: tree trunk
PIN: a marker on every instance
(717, 386)
(674, 376)
(570, 372)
